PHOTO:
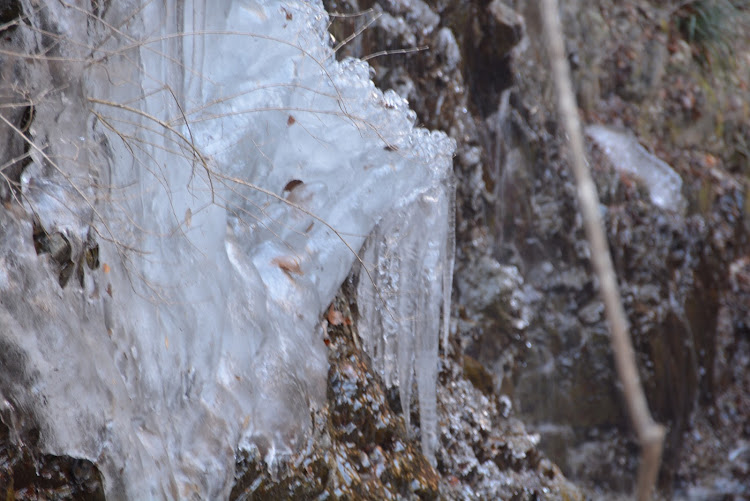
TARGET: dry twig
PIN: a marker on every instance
(650, 433)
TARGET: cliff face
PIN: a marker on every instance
(528, 349)
(672, 79)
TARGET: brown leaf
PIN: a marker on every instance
(335, 317)
(292, 184)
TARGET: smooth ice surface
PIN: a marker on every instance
(626, 154)
(229, 169)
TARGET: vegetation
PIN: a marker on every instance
(711, 27)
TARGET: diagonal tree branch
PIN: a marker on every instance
(650, 434)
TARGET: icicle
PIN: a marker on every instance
(449, 261)
(411, 259)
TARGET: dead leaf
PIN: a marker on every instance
(292, 184)
(335, 317)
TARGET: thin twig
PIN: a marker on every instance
(650, 433)
(357, 32)
(394, 51)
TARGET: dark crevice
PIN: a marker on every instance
(58, 247)
(26, 475)
(9, 11)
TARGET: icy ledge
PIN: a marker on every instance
(226, 169)
(627, 155)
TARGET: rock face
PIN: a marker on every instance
(361, 449)
(526, 304)
(530, 349)
(179, 230)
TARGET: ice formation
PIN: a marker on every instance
(626, 154)
(226, 170)
(412, 258)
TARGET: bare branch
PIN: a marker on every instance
(650, 434)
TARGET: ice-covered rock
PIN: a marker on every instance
(214, 172)
(627, 155)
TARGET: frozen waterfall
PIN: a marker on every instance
(200, 178)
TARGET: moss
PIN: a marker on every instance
(368, 453)
(478, 375)
(710, 26)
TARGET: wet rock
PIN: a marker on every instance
(487, 455)
(67, 255)
(359, 449)
(27, 474)
(671, 269)
(516, 207)
(526, 302)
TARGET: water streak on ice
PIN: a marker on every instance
(177, 140)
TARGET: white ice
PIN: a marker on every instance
(627, 155)
(410, 260)
(174, 132)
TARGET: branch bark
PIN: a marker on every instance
(650, 434)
